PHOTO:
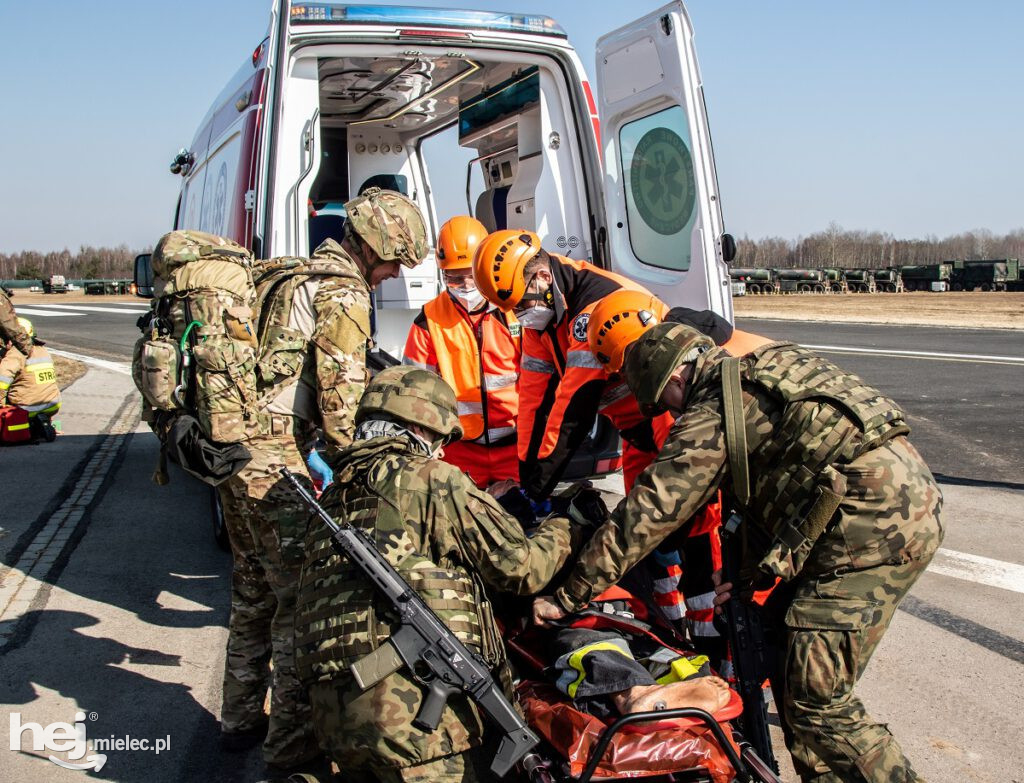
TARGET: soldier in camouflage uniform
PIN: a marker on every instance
(837, 504)
(314, 329)
(10, 329)
(451, 541)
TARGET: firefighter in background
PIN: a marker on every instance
(690, 556)
(29, 382)
(475, 347)
(562, 385)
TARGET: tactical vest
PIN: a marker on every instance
(480, 363)
(340, 618)
(829, 418)
(283, 349)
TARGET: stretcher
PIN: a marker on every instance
(666, 745)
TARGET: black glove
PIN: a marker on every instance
(583, 504)
(516, 504)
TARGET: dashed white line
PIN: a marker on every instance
(124, 368)
(976, 357)
(974, 568)
(127, 308)
(35, 313)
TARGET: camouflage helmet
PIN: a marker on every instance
(413, 396)
(391, 224)
(652, 359)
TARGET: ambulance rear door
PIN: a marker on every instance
(661, 199)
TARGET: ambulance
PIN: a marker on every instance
(468, 112)
(495, 108)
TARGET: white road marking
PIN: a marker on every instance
(125, 368)
(126, 308)
(974, 357)
(974, 568)
(33, 312)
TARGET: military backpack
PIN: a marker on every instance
(197, 353)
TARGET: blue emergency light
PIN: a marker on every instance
(314, 13)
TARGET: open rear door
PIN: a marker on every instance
(660, 188)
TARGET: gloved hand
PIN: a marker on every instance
(321, 472)
(517, 504)
(583, 504)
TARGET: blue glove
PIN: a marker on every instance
(320, 470)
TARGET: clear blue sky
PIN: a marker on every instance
(903, 116)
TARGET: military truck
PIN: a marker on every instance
(54, 284)
(801, 281)
(991, 275)
(861, 281)
(927, 277)
(835, 281)
(758, 280)
(888, 280)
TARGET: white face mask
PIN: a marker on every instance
(536, 318)
(471, 298)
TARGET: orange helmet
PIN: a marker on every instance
(499, 264)
(457, 242)
(617, 320)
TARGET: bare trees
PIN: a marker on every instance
(837, 247)
(88, 262)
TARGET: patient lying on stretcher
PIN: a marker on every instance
(608, 662)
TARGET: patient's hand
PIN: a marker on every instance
(499, 488)
(545, 609)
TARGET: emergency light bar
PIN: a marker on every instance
(320, 13)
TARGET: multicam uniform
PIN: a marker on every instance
(316, 327)
(10, 329)
(454, 544)
(813, 431)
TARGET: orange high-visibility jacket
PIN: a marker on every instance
(562, 385)
(478, 355)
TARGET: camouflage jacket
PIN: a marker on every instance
(314, 329)
(781, 430)
(10, 329)
(456, 546)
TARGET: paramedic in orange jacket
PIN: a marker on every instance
(562, 385)
(475, 347)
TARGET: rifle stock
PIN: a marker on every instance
(436, 658)
(751, 656)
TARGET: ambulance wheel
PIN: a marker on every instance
(220, 531)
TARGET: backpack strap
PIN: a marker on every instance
(735, 429)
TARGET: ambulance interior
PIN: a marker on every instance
(486, 133)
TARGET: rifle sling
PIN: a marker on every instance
(735, 430)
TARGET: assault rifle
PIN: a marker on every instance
(426, 646)
(751, 657)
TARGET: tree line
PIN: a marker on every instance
(88, 262)
(836, 247)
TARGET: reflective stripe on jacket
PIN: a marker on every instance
(478, 355)
(562, 385)
(30, 382)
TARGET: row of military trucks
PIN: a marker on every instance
(994, 275)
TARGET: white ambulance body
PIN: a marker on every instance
(339, 98)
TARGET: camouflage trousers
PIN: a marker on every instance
(834, 620)
(264, 582)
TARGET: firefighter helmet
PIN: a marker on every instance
(457, 242)
(499, 264)
(618, 320)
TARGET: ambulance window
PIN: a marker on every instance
(661, 203)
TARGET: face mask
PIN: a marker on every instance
(536, 318)
(471, 298)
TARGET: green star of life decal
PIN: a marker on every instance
(661, 180)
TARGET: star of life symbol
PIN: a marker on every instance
(58, 737)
